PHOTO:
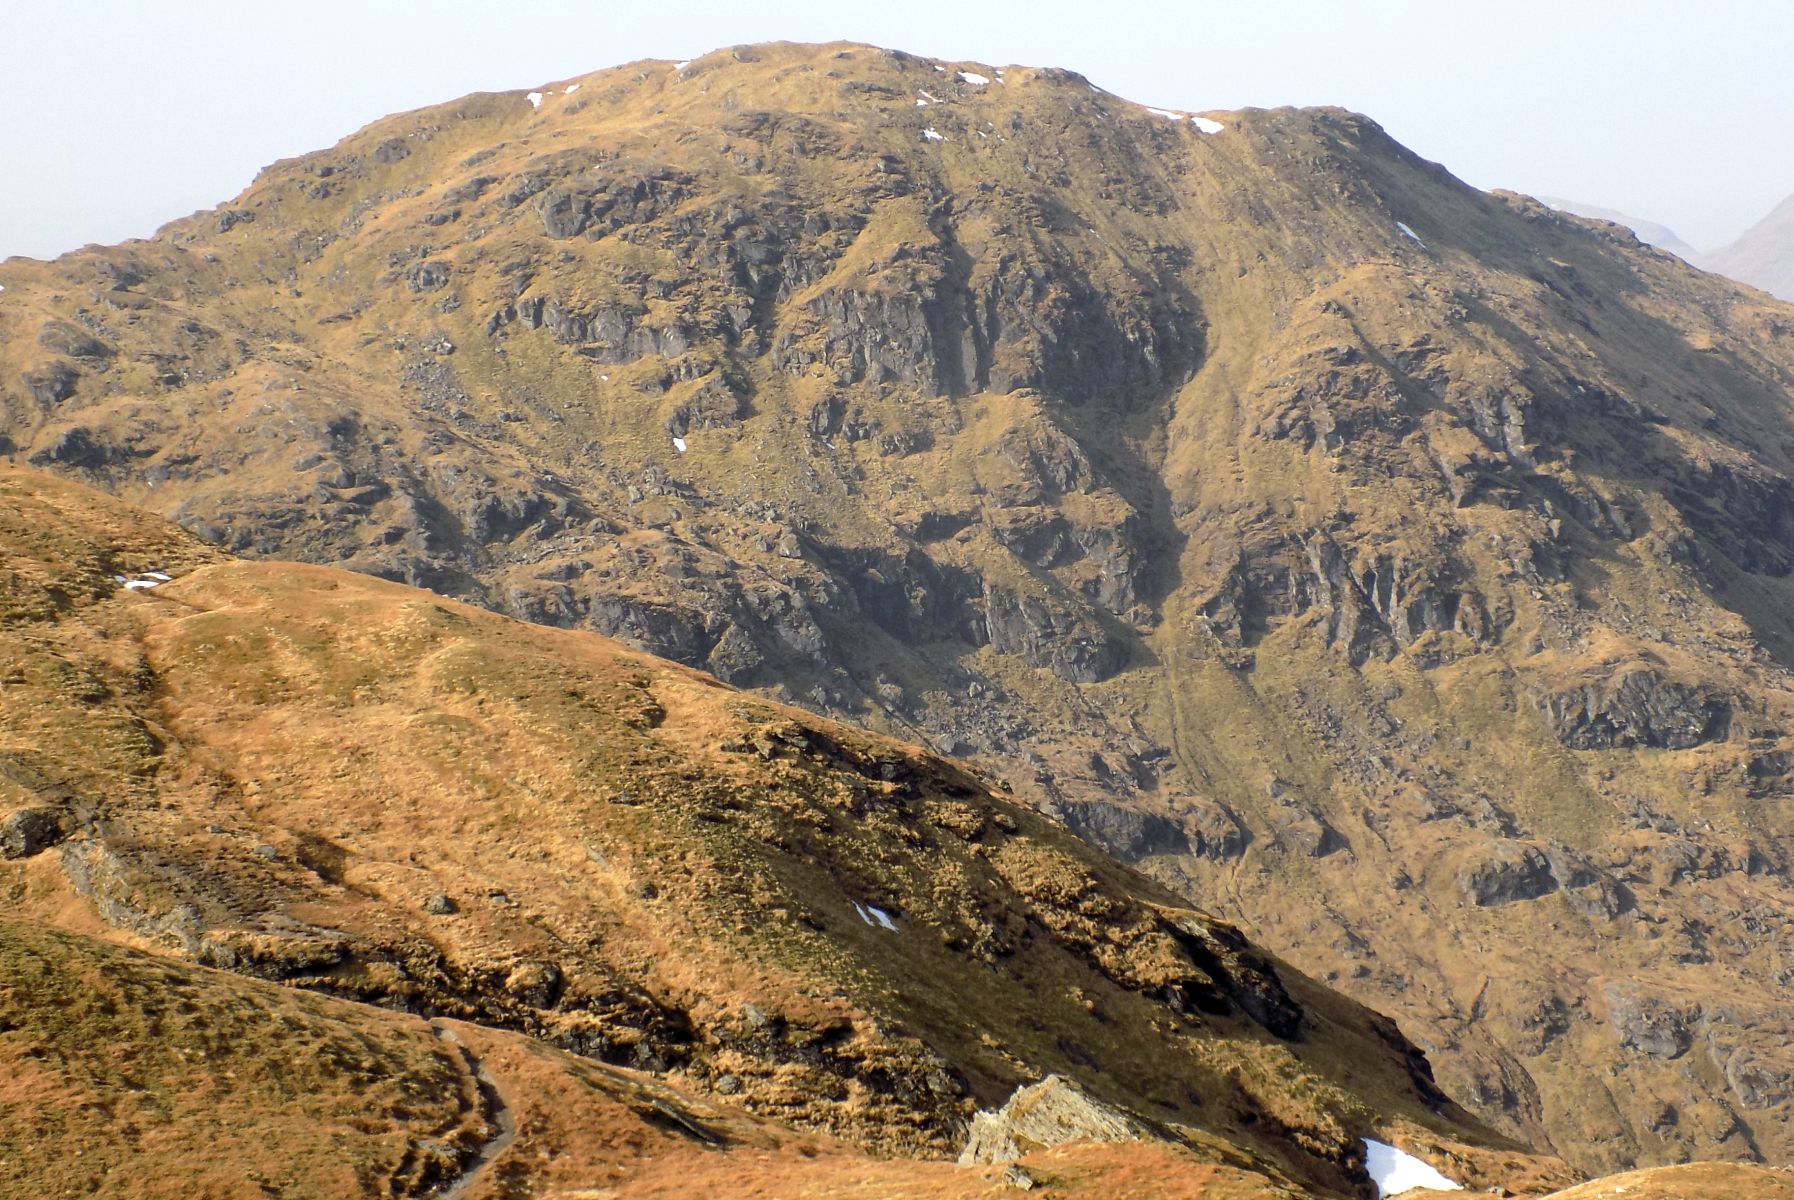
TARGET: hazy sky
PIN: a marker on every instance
(122, 114)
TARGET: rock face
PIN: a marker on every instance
(1047, 1114)
(1635, 708)
(1144, 467)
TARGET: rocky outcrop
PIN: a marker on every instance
(1050, 327)
(80, 448)
(51, 385)
(72, 341)
(1050, 1113)
(1371, 605)
(1635, 707)
(1234, 973)
(31, 831)
(1044, 633)
(1508, 871)
(881, 337)
(1127, 833)
(1647, 1023)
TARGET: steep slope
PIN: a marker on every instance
(130, 1076)
(1763, 255)
(355, 788)
(1401, 570)
(1650, 232)
(116, 1062)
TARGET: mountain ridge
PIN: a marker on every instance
(1396, 567)
(1650, 232)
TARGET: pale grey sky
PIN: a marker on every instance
(123, 114)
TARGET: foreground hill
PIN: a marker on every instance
(1401, 570)
(362, 790)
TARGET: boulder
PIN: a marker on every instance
(1049, 1113)
(1649, 1024)
(391, 150)
(52, 384)
(1507, 872)
(31, 831)
(1127, 833)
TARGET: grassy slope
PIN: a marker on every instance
(645, 865)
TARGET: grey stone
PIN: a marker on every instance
(1649, 1024)
(31, 831)
(1125, 832)
(1018, 1177)
(1047, 1114)
(51, 385)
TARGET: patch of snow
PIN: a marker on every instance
(973, 78)
(571, 88)
(875, 916)
(158, 576)
(679, 444)
(1165, 112)
(606, 378)
(2, 287)
(933, 135)
(981, 133)
(1403, 226)
(535, 99)
(940, 68)
(142, 585)
(927, 98)
(1206, 125)
(1396, 1171)
(680, 66)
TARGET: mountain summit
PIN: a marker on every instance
(1399, 570)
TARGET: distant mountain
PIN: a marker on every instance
(1763, 256)
(1660, 236)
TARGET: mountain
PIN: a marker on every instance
(1397, 570)
(743, 930)
(1763, 255)
(1649, 232)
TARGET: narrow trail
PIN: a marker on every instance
(497, 1114)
